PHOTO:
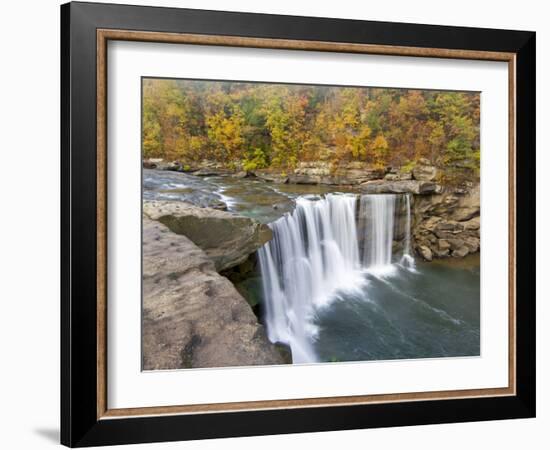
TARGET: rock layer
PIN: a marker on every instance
(192, 316)
(226, 238)
(448, 224)
(322, 172)
(399, 187)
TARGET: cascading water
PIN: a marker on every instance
(407, 260)
(378, 214)
(315, 256)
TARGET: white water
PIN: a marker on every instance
(378, 212)
(314, 254)
(407, 260)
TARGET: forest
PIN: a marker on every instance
(254, 126)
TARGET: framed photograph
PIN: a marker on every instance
(276, 224)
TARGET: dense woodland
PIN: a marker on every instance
(257, 125)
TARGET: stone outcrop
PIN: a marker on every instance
(323, 172)
(271, 176)
(226, 238)
(192, 316)
(399, 187)
(424, 171)
(448, 224)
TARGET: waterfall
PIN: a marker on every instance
(407, 260)
(315, 256)
(312, 255)
(378, 214)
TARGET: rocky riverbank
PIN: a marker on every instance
(446, 219)
(192, 315)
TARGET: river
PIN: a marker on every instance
(339, 279)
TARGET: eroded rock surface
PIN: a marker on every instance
(192, 316)
(399, 187)
(345, 173)
(226, 238)
(448, 224)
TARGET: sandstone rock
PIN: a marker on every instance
(192, 316)
(425, 252)
(472, 243)
(398, 187)
(323, 172)
(271, 177)
(398, 176)
(226, 238)
(424, 172)
(441, 253)
(431, 223)
(460, 252)
(443, 244)
(210, 172)
(472, 224)
(447, 229)
(455, 243)
(468, 205)
(161, 164)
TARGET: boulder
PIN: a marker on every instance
(192, 316)
(399, 187)
(468, 205)
(211, 172)
(226, 238)
(472, 224)
(460, 252)
(425, 252)
(271, 177)
(424, 172)
(471, 243)
(455, 243)
(161, 164)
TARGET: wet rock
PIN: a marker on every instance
(460, 252)
(441, 253)
(192, 316)
(271, 177)
(161, 164)
(226, 238)
(425, 252)
(209, 172)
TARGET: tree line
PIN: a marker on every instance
(260, 125)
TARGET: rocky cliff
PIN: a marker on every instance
(192, 316)
(447, 224)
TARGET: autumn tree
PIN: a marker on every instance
(256, 125)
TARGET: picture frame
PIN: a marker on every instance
(86, 418)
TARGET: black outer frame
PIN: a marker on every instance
(79, 423)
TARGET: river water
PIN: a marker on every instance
(336, 287)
